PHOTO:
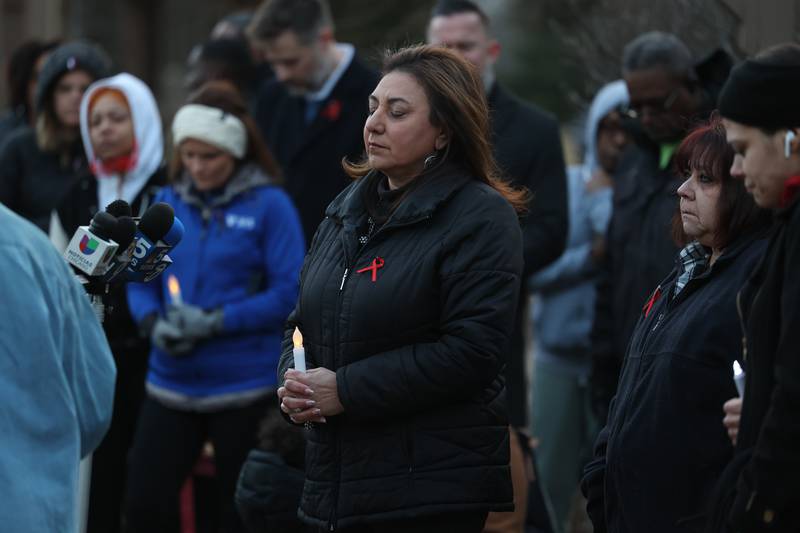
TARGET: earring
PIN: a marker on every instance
(787, 144)
(430, 161)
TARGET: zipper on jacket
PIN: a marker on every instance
(348, 262)
(742, 325)
(658, 320)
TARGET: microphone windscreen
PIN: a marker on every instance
(175, 233)
(157, 221)
(103, 225)
(119, 208)
(124, 233)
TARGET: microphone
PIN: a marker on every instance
(119, 208)
(92, 247)
(124, 235)
(159, 231)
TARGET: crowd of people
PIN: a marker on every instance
(408, 231)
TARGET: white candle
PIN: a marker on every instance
(298, 352)
(738, 378)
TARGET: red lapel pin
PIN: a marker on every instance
(377, 263)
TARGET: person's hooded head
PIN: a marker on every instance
(64, 77)
(122, 135)
(604, 136)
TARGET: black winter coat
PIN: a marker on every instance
(664, 445)
(767, 497)
(34, 183)
(640, 252)
(417, 352)
(311, 155)
(528, 150)
(268, 493)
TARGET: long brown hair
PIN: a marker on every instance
(224, 95)
(458, 106)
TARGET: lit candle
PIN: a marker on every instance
(174, 290)
(299, 352)
(738, 378)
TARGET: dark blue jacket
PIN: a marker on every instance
(664, 445)
(241, 252)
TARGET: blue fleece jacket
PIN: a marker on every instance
(242, 252)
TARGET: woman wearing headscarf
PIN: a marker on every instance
(406, 307)
(124, 143)
(40, 165)
(217, 342)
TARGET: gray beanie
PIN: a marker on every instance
(75, 55)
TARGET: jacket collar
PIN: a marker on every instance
(502, 108)
(245, 178)
(345, 97)
(440, 183)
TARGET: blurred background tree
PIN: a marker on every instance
(555, 52)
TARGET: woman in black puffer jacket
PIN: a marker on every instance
(406, 304)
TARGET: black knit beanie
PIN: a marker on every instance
(761, 95)
(75, 55)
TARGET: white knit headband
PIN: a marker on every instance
(211, 125)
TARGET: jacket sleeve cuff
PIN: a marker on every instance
(343, 391)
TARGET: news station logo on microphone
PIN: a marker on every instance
(91, 248)
(88, 245)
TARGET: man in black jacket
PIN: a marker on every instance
(664, 97)
(527, 147)
(312, 114)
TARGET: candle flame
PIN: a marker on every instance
(737, 368)
(297, 338)
(173, 286)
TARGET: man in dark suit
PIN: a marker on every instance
(527, 147)
(312, 115)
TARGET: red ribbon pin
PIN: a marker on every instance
(377, 263)
(651, 301)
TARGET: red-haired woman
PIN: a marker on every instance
(663, 448)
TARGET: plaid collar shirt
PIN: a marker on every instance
(693, 261)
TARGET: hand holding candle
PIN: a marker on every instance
(299, 352)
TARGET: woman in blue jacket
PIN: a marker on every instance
(216, 347)
(663, 447)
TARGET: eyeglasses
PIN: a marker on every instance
(655, 106)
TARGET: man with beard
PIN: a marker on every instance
(312, 114)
